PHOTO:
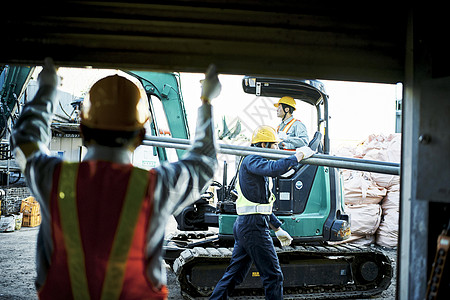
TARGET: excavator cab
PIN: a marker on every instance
(308, 91)
(309, 200)
(310, 205)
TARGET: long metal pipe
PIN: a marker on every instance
(316, 159)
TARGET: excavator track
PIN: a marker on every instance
(310, 272)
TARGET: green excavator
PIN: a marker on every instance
(309, 202)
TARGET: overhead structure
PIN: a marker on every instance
(307, 39)
(376, 42)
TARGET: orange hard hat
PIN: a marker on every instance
(286, 100)
(115, 103)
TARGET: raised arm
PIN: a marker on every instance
(182, 182)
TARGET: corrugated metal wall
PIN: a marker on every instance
(285, 38)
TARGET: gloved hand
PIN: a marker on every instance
(284, 237)
(303, 152)
(48, 74)
(211, 86)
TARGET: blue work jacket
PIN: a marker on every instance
(254, 176)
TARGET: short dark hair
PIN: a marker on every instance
(109, 138)
(284, 106)
(259, 145)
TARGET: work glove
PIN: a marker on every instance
(48, 74)
(211, 86)
(304, 152)
(284, 237)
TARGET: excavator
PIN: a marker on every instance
(13, 83)
(309, 203)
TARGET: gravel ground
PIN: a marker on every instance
(17, 263)
(17, 267)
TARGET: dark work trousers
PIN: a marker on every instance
(252, 244)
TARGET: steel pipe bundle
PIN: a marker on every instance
(316, 159)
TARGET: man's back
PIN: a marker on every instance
(103, 220)
(100, 212)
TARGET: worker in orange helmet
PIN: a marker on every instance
(103, 219)
(292, 132)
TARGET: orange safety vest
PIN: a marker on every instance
(100, 213)
(286, 129)
(288, 126)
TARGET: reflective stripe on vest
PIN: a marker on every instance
(115, 271)
(286, 129)
(247, 207)
(69, 222)
(288, 126)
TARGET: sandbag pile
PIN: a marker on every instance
(372, 199)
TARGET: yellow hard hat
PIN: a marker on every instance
(264, 134)
(286, 100)
(115, 103)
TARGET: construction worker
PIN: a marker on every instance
(292, 132)
(253, 243)
(103, 219)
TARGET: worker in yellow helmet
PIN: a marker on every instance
(103, 219)
(253, 243)
(292, 132)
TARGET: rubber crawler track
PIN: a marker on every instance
(355, 255)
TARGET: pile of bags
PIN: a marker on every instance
(9, 223)
(372, 199)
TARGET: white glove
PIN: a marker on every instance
(48, 74)
(303, 152)
(284, 237)
(211, 86)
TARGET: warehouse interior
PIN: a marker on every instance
(370, 42)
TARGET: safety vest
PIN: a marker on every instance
(288, 126)
(247, 207)
(100, 213)
(286, 129)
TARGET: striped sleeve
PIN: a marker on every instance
(178, 185)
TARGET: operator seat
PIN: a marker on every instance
(316, 142)
(286, 186)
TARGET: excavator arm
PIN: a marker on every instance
(13, 82)
(162, 86)
(166, 87)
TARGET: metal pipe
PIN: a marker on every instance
(270, 152)
(284, 153)
(316, 159)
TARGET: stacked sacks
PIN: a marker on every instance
(372, 199)
(362, 202)
(387, 149)
(387, 234)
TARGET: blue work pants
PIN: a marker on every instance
(253, 243)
